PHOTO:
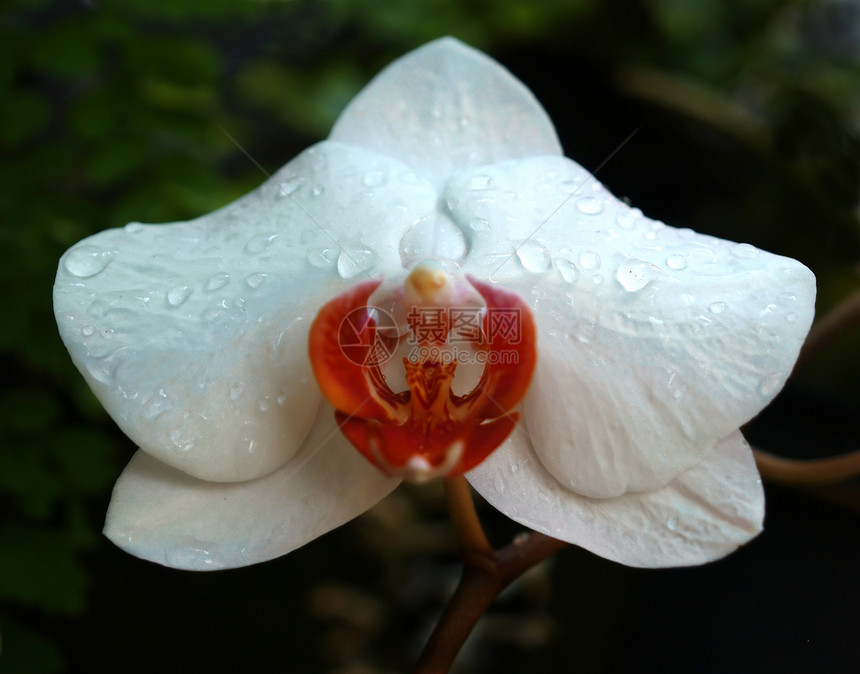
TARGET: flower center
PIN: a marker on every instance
(437, 332)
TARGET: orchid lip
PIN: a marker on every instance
(425, 429)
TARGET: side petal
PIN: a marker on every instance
(446, 106)
(193, 335)
(163, 515)
(703, 514)
(653, 342)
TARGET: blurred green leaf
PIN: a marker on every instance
(25, 651)
(22, 115)
(38, 568)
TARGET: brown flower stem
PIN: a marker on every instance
(815, 471)
(467, 527)
(486, 572)
(842, 318)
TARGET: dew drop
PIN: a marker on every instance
(317, 190)
(259, 243)
(282, 396)
(134, 228)
(534, 257)
(217, 281)
(515, 468)
(791, 318)
(177, 295)
(589, 205)
(479, 224)
(626, 221)
(718, 307)
(597, 279)
(744, 250)
(568, 186)
(236, 390)
(321, 258)
(290, 185)
(585, 331)
(770, 384)
(265, 403)
(589, 260)
(88, 331)
(86, 261)
(354, 260)
(374, 178)
(567, 269)
(633, 275)
(255, 280)
(481, 182)
(672, 523)
(676, 262)
(157, 405)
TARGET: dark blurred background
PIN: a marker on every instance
(113, 110)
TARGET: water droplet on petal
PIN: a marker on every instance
(633, 275)
(282, 396)
(86, 261)
(718, 307)
(255, 280)
(626, 221)
(770, 384)
(791, 318)
(177, 295)
(322, 258)
(672, 523)
(88, 331)
(265, 403)
(259, 243)
(676, 262)
(290, 185)
(585, 331)
(568, 186)
(236, 390)
(481, 182)
(374, 178)
(589, 205)
(479, 224)
(354, 260)
(217, 281)
(597, 279)
(589, 260)
(134, 228)
(157, 405)
(534, 257)
(317, 190)
(568, 269)
(744, 250)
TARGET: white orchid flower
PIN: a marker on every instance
(654, 344)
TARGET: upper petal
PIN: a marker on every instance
(653, 342)
(163, 515)
(194, 335)
(703, 514)
(446, 106)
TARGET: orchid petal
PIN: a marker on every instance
(163, 515)
(701, 515)
(194, 335)
(447, 106)
(653, 341)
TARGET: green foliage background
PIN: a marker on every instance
(113, 111)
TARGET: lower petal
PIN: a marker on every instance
(163, 515)
(702, 515)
